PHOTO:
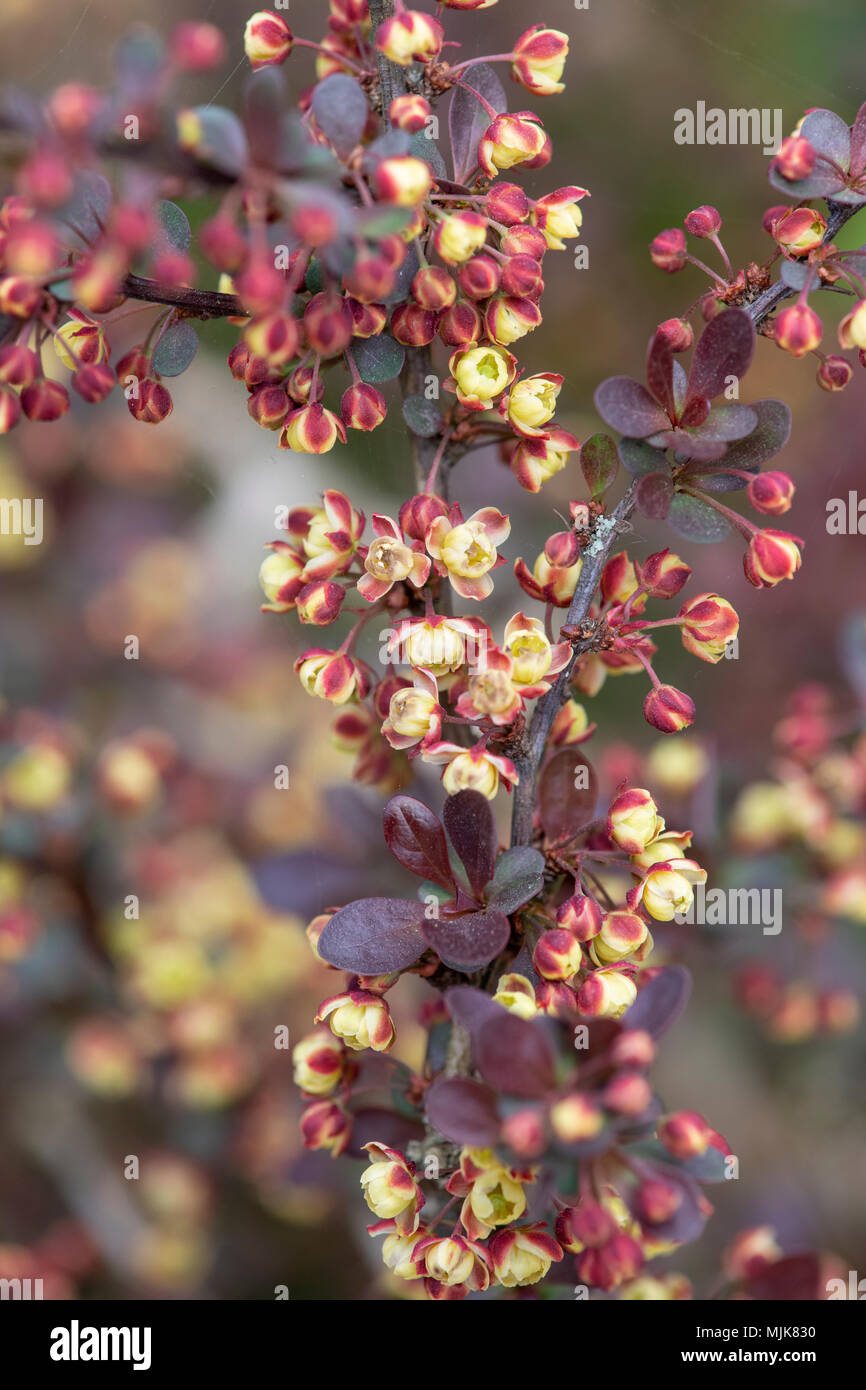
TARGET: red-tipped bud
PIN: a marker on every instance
(19, 365)
(260, 287)
(326, 1125)
(606, 994)
(371, 279)
(657, 1201)
(410, 36)
(10, 409)
(363, 407)
(507, 204)
(668, 250)
(20, 296)
(410, 113)
(523, 241)
(222, 242)
(587, 1226)
(320, 603)
(799, 230)
(633, 820)
(368, 320)
(772, 216)
(434, 288)
(274, 337)
(771, 557)
(46, 178)
(403, 179)
(557, 954)
(461, 325)
(834, 373)
(523, 1132)
(152, 404)
(418, 514)
(677, 333)
(555, 998)
(705, 221)
(633, 1048)
(627, 1093)
(94, 383)
(795, 159)
(328, 323)
(72, 108)
(479, 277)
(771, 492)
(136, 364)
(709, 623)
(798, 330)
(269, 406)
(413, 326)
(521, 277)
(507, 319)
(663, 574)
(197, 46)
(685, 1134)
(44, 400)
(669, 710)
(312, 430)
(267, 39)
(459, 235)
(300, 383)
(580, 915)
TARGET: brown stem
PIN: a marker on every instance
(595, 556)
(199, 304)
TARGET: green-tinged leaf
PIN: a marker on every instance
(697, 520)
(599, 461)
(340, 109)
(176, 349)
(377, 222)
(174, 233)
(221, 142)
(378, 359)
(518, 876)
(639, 458)
(654, 494)
(422, 416)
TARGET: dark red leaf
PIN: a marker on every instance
(514, 1056)
(374, 936)
(472, 831)
(471, 1007)
(518, 877)
(376, 1125)
(661, 1001)
(654, 494)
(725, 349)
(464, 1111)
(629, 408)
(469, 941)
(660, 372)
(689, 445)
(567, 795)
(340, 108)
(858, 143)
(599, 461)
(468, 119)
(415, 837)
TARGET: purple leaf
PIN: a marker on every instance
(464, 1111)
(470, 940)
(697, 520)
(660, 372)
(567, 795)
(661, 1001)
(514, 1056)
(340, 108)
(599, 462)
(725, 349)
(375, 1124)
(629, 408)
(176, 349)
(222, 143)
(731, 421)
(518, 877)
(653, 495)
(639, 457)
(688, 1220)
(829, 136)
(415, 837)
(265, 99)
(471, 1007)
(769, 436)
(689, 445)
(858, 143)
(468, 119)
(469, 822)
(374, 936)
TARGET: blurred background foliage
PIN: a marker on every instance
(155, 777)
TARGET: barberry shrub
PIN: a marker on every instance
(371, 246)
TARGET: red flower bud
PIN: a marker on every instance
(197, 46)
(19, 365)
(299, 385)
(633, 1048)
(799, 230)
(93, 383)
(555, 998)
(326, 1125)
(434, 288)
(627, 1093)
(238, 360)
(834, 373)
(685, 1134)
(368, 320)
(580, 915)
(771, 557)
(664, 574)
(587, 1225)
(222, 242)
(657, 1201)
(557, 954)
(479, 277)
(523, 241)
(668, 250)
(371, 278)
(152, 405)
(320, 603)
(798, 330)
(795, 158)
(705, 221)
(507, 204)
(410, 113)
(269, 405)
(20, 297)
(328, 323)
(44, 400)
(46, 178)
(363, 407)
(507, 319)
(10, 409)
(135, 364)
(413, 326)
(521, 277)
(275, 337)
(267, 39)
(461, 325)
(677, 333)
(771, 492)
(669, 710)
(772, 216)
(418, 514)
